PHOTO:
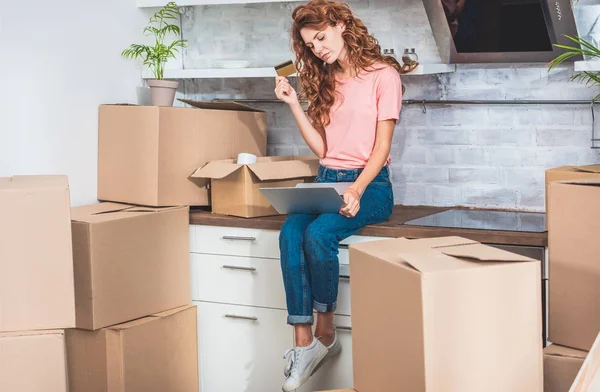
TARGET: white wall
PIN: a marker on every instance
(59, 60)
(471, 155)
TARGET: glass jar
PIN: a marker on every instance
(410, 56)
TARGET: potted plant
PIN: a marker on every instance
(585, 49)
(155, 56)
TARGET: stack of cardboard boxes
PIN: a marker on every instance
(37, 296)
(97, 298)
(573, 216)
(450, 314)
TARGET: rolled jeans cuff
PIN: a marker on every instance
(322, 308)
(293, 320)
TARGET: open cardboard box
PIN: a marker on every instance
(146, 154)
(235, 188)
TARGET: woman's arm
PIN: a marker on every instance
(381, 151)
(315, 139)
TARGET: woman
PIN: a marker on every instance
(355, 96)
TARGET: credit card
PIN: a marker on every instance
(286, 69)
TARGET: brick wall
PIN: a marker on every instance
(472, 155)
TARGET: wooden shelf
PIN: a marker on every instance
(591, 66)
(182, 3)
(423, 69)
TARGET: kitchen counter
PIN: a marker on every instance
(394, 227)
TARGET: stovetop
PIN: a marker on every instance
(484, 220)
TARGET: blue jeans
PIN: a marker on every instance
(309, 245)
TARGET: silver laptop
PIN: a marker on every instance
(307, 198)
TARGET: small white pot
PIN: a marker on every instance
(162, 91)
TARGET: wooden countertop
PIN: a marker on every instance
(394, 227)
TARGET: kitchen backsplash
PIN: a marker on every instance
(471, 155)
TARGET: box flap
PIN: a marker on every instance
(589, 168)
(170, 312)
(32, 333)
(82, 213)
(556, 350)
(430, 260)
(281, 170)
(216, 170)
(34, 182)
(441, 242)
(225, 105)
(480, 252)
(132, 323)
(104, 212)
(582, 181)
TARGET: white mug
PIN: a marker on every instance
(245, 158)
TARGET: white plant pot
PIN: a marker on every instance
(162, 91)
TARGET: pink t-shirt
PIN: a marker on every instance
(368, 98)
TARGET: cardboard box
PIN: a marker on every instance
(129, 262)
(33, 361)
(36, 260)
(154, 353)
(565, 173)
(588, 377)
(146, 154)
(235, 189)
(561, 365)
(445, 314)
(574, 267)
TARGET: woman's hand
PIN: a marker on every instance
(285, 92)
(352, 200)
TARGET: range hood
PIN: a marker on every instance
(500, 31)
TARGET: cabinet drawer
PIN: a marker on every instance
(241, 348)
(235, 241)
(249, 281)
(237, 280)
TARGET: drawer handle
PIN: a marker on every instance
(238, 238)
(235, 267)
(347, 277)
(343, 246)
(344, 328)
(234, 316)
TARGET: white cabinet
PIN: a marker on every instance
(238, 280)
(235, 241)
(242, 317)
(240, 348)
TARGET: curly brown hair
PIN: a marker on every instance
(318, 81)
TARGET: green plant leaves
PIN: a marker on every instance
(584, 49)
(157, 55)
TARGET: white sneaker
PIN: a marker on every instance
(335, 346)
(332, 350)
(302, 362)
